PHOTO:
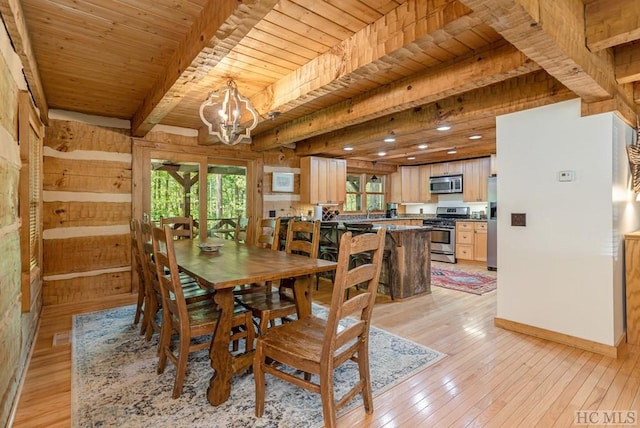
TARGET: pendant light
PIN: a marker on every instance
(374, 178)
(228, 106)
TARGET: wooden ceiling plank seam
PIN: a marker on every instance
(523, 92)
(287, 39)
(66, 29)
(325, 40)
(68, 19)
(167, 91)
(370, 41)
(131, 18)
(340, 15)
(286, 55)
(555, 40)
(314, 20)
(14, 20)
(610, 23)
(500, 63)
(359, 9)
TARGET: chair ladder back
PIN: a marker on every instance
(311, 241)
(167, 272)
(182, 227)
(243, 229)
(134, 226)
(267, 233)
(360, 305)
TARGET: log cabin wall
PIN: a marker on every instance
(17, 327)
(86, 212)
(283, 203)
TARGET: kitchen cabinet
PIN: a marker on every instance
(414, 186)
(471, 240)
(474, 185)
(632, 286)
(323, 180)
(447, 168)
(395, 187)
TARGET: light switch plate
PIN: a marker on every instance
(565, 176)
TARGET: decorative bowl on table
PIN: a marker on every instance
(209, 246)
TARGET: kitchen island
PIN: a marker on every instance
(406, 268)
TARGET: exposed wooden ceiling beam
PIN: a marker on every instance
(13, 18)
(359, 56)
(551, 33)
(229, 21)
(491, 66)
(610, 23)
(516, 94)
(627, 62)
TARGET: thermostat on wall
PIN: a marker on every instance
(565, 176)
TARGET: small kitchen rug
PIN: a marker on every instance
(115, 384)
(469, 282)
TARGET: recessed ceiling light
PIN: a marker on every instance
(382, 153)
(452, 152)
(411, 158)
(347, 148)
(443, 127)
(475, 137)
(390, 138)
(423, 146)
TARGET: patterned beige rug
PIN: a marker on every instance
(114, 381)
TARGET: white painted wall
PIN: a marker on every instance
(564, 270)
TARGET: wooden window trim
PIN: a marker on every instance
(30, 133)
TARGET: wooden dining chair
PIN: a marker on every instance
(302, 238)
(267, 231)
(187, 321)
(362, 258)
(317, 346)
(182, 227)
(137, 261)
(153, 295)
(242, 230)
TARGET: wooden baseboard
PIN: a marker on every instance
(617, 351)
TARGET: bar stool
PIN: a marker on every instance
(364, 258)
(328, 249)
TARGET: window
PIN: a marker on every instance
(31, 135)
(177, 188)
(364, 193)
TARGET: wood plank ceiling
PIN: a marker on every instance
(336, 72)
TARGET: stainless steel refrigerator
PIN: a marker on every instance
(492, 223)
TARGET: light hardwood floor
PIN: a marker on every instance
(490, 378)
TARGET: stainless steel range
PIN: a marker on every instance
(443, 236)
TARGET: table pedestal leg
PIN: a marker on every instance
(221, 358)
(302, 290)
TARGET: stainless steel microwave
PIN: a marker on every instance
(446, 184)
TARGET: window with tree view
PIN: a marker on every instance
(175, 191)
(364, 193)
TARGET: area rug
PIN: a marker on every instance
(469, 282)
(114, 381)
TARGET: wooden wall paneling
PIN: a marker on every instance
(83, 288)
(12, 363)
(67, 136)
(86, 254)
(70, 214)
(8, 96)
(86, 176)
(10, 272)
(9, 177)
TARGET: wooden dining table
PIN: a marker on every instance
(236, 264)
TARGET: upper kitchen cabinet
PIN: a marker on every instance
(415, 184)
(447, 168)
(474, 186)
(323, 180)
